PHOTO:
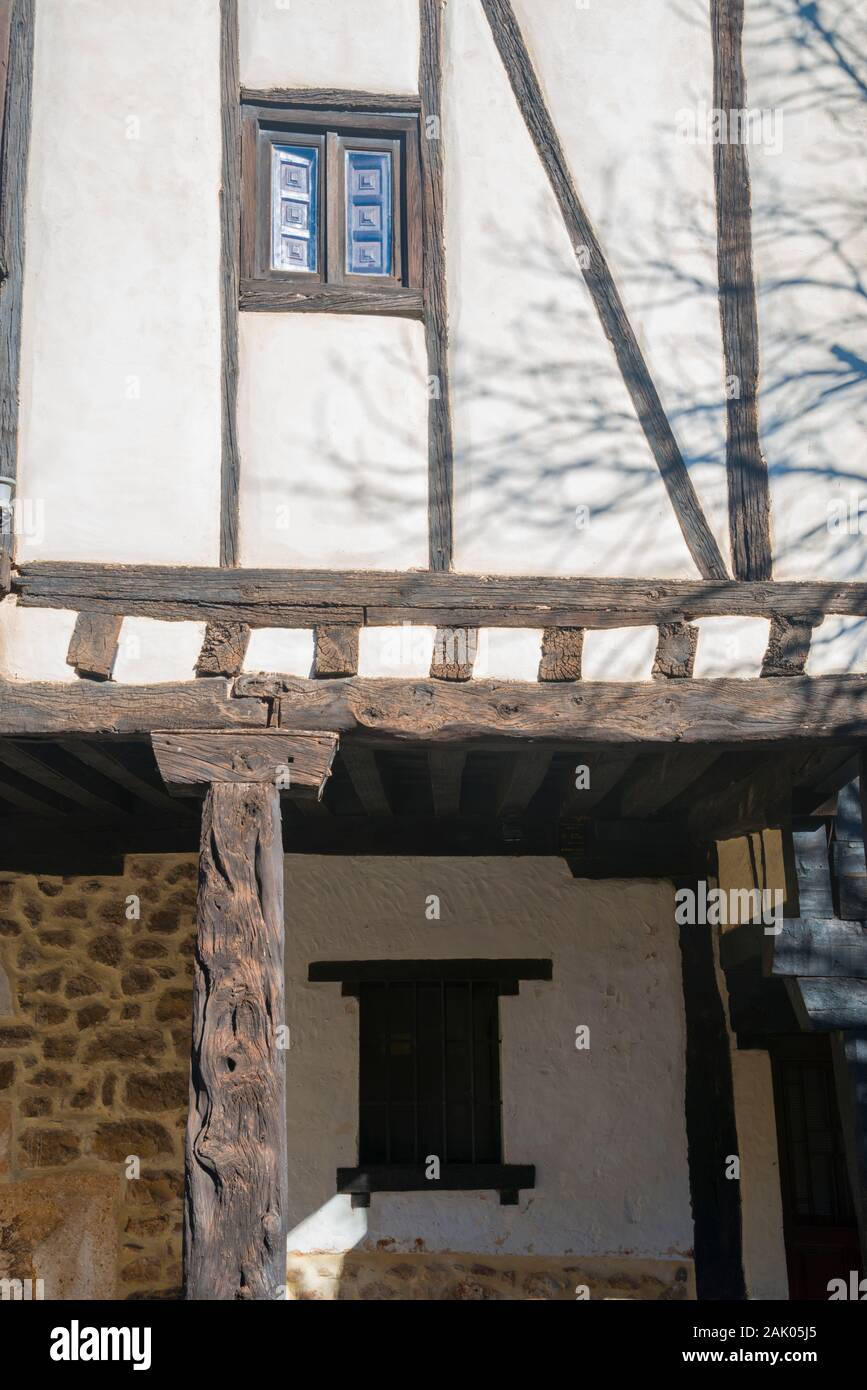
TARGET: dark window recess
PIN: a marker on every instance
(818, 1212)
(429, 1077)
(430, 1073)
(331, 211)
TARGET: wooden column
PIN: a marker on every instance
(236, 1149)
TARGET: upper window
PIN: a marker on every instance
(331, 211)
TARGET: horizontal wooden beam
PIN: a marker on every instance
(306, 598)
(330, 99)
(811, 947)
(826, 1005)
(729, 712)
(298, 764)
(37, 707)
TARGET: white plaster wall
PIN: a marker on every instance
(839, 645)
(288, 650)
(371, 46)
(619, 653)
(149, 652)
(810, 246)
(543, 422)
(332, 423)
(120, 353)
(605, 1127)
(34, 642)
(732, 647)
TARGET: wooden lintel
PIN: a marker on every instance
(56, 707)
(730, 712)
(305, 598)
(826, 948)
(298, 764)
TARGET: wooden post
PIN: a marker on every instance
(236, 1150)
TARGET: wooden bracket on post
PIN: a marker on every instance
(236, 1189)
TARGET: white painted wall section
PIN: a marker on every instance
(604, 1126)
(150, 652)
(839, 646)
(508, 653)
(552, 471)
(805, 67)
(287, 650)
(120, 351)
(731, 647)
(372, 47)
(403, 651)
(764, 1250)
(34, 642)
(619, 653)
(332, 423)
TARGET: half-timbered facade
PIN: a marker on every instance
(433, 649)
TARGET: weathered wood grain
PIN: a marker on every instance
(828, 1004)
(236, 1150)
(824, 948)
(223, 649)
(675, 652)
(335, 652)
(788, 646)
(43, 707)
(93, 645)
(17, 98)
(749, 491)
(269, 296)
(561, 654)
(603, 290)
(298, 764)
(440, 441)
(305, 598)
(230, 236)
(454, 653)
(731, 712)
(330, 98)
(366, 779)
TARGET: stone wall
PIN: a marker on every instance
(95, 1008)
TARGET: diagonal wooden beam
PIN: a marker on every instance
(112, 767)
(522, 778)
(365, 777)
(45, 775)
(603, 291)
(656, 783)
(749, 491)
(605, 768)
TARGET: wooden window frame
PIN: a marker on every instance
(506, 1178)
(331, 288)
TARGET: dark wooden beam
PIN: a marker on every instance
(335, 652)
(606, 768)
(440, 444)
(236, 1151)
(112, 767)
(522, 777)
(561, 654)
(272, 296)
(93, 645)
(25, 796)
(330, 99)
(656, 783)
(306, 598)
(603, 291)
(749, 491)
(17, 95)
(788, 646)
(366, 779)
(223, 649)
(675, 652)
(849, 1053)
(104, 799)
(446, 777)
(230, 239)
(711, 1127)
(818, 948)
(730, 712)
(34, 707)
(850, 866)
(299, 764)
(829, 1004)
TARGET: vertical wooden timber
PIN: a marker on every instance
(749, 492)
(16, 38)
(440, 444)
(230, 237)
(711, 1129)
(603, 291)
(236, 1153)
